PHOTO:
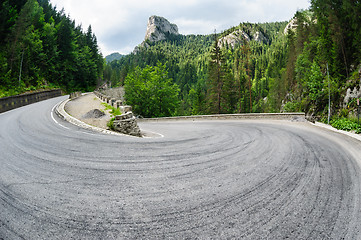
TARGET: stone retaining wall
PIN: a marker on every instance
(74, 95)
(127, 124)
(9, 103)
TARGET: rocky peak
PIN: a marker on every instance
(159, 28)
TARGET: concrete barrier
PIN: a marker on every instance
(9, 103)
(245, 116)
(113, 102)
(74, 95)
(118, 103)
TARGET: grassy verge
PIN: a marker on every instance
(114, 111)
(346, 124)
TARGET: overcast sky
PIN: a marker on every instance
(120, 25)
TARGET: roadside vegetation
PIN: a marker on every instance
(113, 111)
(346, 124)
(151, 92)
(42, 48)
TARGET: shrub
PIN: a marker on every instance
(110, 124)
(114, 111)
(343, 113)
(292, 106)
(345, 124)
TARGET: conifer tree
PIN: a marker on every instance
(215, 80)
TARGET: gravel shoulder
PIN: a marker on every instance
(79, 107)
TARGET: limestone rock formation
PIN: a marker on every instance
(292, 25)
(159, 29)
(238, 36)
(351, 94)
(234, 38)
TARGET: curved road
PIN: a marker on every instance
(202, 180)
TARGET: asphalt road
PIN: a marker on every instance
(202, 180)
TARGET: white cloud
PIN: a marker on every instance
(121, 25)
(197, 26)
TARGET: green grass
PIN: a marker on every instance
(113, 111)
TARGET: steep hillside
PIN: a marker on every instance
(43, 48)
(188, 58)
(300, 65)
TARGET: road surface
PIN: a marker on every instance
(202, 180)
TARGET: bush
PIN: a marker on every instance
(345, 124)
(343, 113)
(110, 124)
(292, 107)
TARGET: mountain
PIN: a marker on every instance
(265, 67)
(159, 28)
(187, 58)
(113, 56)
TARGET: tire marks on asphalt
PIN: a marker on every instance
(213, 179)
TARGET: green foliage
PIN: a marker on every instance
(345, 124)
(344, 113)
(151, 92)
(110, 124)
(246, 78)
(258, 76)
(294, 106)
(114, 111)
(315, 82)
(41, 47)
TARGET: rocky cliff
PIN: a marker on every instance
(292, 25)
(238, 36)
(159, 29)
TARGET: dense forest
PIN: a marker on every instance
(295, 70)
(189, 60)
(41, 47)
(304, 68)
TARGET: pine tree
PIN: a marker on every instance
(216, 77)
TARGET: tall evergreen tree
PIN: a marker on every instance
(216, 79)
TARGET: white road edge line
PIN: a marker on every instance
(52, 116)
(161, 135)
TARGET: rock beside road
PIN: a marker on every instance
(127, 124)
(95, 113)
